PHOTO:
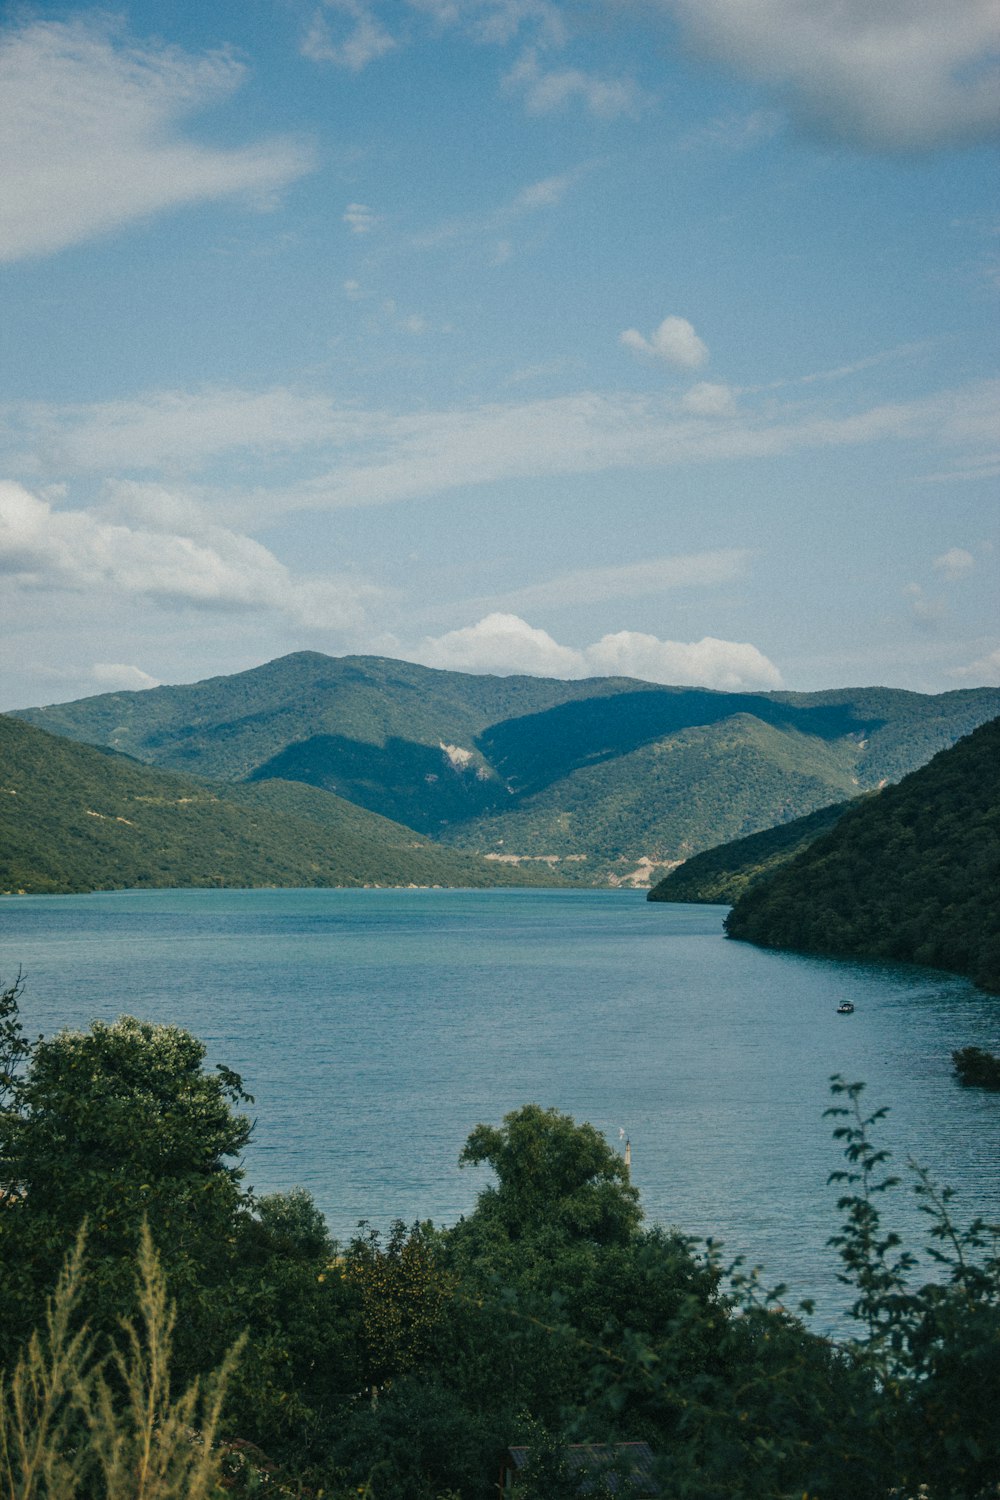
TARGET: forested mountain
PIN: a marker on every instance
(910, 874)
(75, 818)
(606, 779)
(720, 876)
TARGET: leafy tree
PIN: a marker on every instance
(403, 1291)
(14, 1048)
(553, 1174)
(121, 1126)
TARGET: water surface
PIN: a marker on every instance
(376, 1028)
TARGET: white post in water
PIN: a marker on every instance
(628, 1152)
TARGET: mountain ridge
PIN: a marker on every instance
(600, 776)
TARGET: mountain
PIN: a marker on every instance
(720, 876)
(75, 818)
(911, 874)
(606, 780)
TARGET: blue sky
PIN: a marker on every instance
(647, 337)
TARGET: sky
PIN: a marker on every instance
(653, 338)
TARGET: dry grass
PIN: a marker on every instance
(74, 1426)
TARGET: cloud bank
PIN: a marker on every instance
(42, 548)
(505, 644)
(886, 75)
(89, 140)
(366, 456)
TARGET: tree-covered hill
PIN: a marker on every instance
(75, 818)
(911, 874)
(722, 875)
(607, 778)
(666, 800)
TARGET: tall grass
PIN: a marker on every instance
(78, 1426)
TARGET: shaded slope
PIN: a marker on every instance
(421, 785)
(720, 876)
(911, 874)
(533, 751)
(74, 818)
(670, 799)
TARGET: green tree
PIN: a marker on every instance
(122, 1126)
(553, 1174)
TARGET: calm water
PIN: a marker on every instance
(375, 1028)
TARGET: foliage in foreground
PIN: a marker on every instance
(74, 1423)
(401, 1367)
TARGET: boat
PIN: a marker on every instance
(845, 1008)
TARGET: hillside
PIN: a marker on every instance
(911, 874)
(74, 818)
(666, 800)
(722, 875)
(607, 779)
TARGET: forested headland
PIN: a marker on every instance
(910, 874)
(165, 1332)
(720, 876)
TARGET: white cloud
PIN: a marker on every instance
(705, 400)
(955, 563)
(365, 41)
(545, 193)
(734, 132)
(505, 644)
(89, 142)
(928, 613)
(675, 341)
(984, 671)
(728, 665)
(882, 74)
(113, 674)
(546, 91)
(208, 567)
(640, 580)
(359, 218)
(493, 229)
(497, 22)
(366, 456)
(178, 429)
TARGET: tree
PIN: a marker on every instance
(553, 1174)
(118, 1127)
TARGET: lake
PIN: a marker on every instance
(376, 1028)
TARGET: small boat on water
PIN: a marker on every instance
(845, 1008)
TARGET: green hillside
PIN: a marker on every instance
(228, 727)
(720, 876)
(608, 779)
(910, 874)
(668, 799)
(74, 818)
